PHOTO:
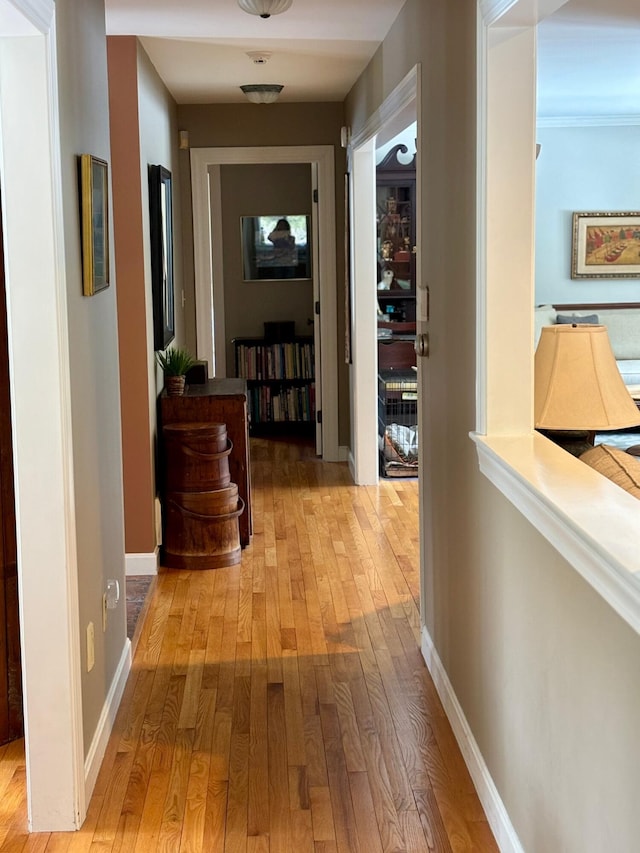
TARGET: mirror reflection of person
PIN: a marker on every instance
(285, 252)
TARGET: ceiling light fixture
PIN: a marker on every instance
(264, 8)
(262, 93)
(259, 57)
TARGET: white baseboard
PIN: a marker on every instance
(105, 723)
(141, 564)
(343, 453)
(501, 826)
(352, 466)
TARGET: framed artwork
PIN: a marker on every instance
(606, 245)
(161, 235)
(276, 247)
(94, 218)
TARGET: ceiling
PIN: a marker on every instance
(589, 51)
(199, 47)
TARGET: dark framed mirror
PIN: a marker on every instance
(276, 247)
(161, 236)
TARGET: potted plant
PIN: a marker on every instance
(175, 363)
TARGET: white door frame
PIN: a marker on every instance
(364, 374)
(506, 146)
(210, 332)
(30, 174)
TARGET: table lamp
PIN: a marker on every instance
(578, 387)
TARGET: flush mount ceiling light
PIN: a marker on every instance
(259, 57)
(264, 8)
(262, 93)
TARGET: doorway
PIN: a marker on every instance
(397, 377)
(269, 289)
(207, 217)
(397, 113)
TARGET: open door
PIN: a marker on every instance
(11, 718)
(317, 337)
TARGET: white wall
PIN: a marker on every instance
(582, 169)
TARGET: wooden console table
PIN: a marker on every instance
(219, 401)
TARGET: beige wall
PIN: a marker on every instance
(252, 190)
(159, 146)
(93, 345)
(544, 670)
(228, 125)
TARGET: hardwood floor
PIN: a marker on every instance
(283, 704)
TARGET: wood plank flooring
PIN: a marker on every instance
(283, 704)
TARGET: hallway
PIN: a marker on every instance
(283, 704)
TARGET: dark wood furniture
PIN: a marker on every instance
(11, 715)
(219, 401)
(397, 352)
(396, 236)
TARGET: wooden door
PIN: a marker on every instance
(11, 719)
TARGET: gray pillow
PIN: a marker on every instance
(577, 318)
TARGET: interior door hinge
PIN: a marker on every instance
(315, 196)
(317, 307)
(319, 416)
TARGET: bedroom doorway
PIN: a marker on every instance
(210, 331)
(396, 115)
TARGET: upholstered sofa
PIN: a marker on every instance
(623, 326)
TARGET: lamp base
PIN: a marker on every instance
(574, 441)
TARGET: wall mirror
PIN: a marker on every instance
(276, 247)
(161, 225)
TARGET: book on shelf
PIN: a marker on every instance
(260, 362)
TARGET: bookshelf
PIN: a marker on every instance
(280, 378)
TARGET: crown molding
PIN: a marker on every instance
(588, 121)
(492, 10)
(403, 95)
(38, 12)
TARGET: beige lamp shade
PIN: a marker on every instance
(577, 383)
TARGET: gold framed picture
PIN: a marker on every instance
(606, 245)
(94, 216)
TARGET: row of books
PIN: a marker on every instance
(268, 404)
(292, 360)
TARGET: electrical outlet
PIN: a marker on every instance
(91, 647)
(104, 611)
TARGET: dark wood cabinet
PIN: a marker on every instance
(396, 237)
(11, 714)
(219, 401)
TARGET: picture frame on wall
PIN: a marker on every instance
(94, 223)
(161, 239)
(605, 245)
(276, 247)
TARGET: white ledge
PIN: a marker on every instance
(592, 522)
